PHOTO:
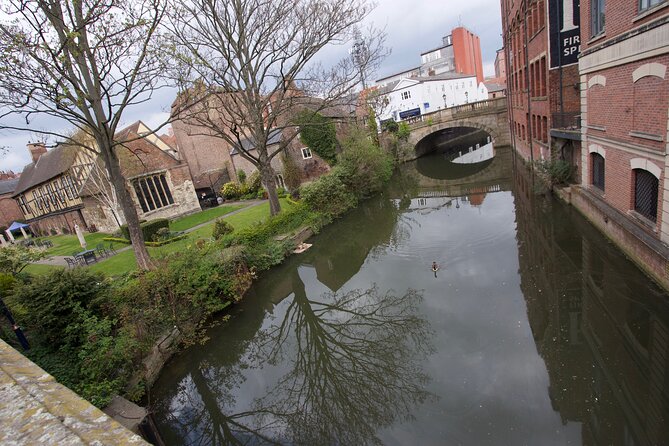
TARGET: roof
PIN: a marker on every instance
(8, 186)
(493, 87)
(435, 49)
(443, 77)
(273, 138)
(53, 163)
(399, 72)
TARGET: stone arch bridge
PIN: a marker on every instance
(489, 116)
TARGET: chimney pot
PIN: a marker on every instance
(36, 150)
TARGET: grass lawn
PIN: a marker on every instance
(37, 269)
(66, 245)
(181, 224)
(125, 261)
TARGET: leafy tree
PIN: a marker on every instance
(319, 134)
(82, 63)
(14, 258)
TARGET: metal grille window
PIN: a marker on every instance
(645, 193)
(153, 192)
(598, 171)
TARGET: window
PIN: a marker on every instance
(598, 171)
(306, 153)
(406, 95)
(596, 17)
(645, 193)
(153, 192)
(279, 181)
(646, 4)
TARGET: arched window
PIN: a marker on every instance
(598, 171)
(645, 193)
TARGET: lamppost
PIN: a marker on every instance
(444, 98)
(466, 97)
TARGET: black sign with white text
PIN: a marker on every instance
(564, 21)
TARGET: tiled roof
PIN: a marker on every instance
(8, 186)
(53, 163)
(274, 138)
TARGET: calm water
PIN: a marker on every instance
(534, 331)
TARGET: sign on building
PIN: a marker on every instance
(564, 20)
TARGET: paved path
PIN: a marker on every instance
(60, 260)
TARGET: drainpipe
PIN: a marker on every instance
(527, 84)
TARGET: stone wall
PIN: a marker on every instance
(35, 409)
(9, 210)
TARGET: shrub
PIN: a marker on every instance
(148, 228)
(558, 171)
(403, 131)
(65, 230)
(161, 234)
(363, 167)
(53, 231)
(328, 195)
(221, 228)
(231, 191)
(242, 176)
(14, 258)
(280, 192)
(292, 174)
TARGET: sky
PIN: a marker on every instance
(412, 26)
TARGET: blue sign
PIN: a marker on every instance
(426, 105)
(410, 113)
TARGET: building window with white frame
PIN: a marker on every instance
(306, 153)
(406, 95)
(597, 19)
(153, 192)
(647, 4)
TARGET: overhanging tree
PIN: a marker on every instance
(249, 67)
(84, 63)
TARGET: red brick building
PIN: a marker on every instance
(625, 125)
(541, 40)
(9, 209)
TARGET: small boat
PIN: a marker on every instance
(301, 248)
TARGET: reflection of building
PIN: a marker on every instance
(458, 53)
(600, 326)
(68, 185)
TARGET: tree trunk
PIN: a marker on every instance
(128, 209)
(267, 178)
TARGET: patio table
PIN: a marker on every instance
(88, 256)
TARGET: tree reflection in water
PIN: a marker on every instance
(356, 364)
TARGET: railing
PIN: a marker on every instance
(451, 112)
(566, 120)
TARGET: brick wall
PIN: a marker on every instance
(9, 210)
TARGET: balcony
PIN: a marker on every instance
(566, 125)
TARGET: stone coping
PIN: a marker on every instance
(37, 410)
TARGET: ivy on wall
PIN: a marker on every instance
(318, 133)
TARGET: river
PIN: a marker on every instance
(535, 329)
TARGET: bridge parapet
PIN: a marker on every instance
(496, 105)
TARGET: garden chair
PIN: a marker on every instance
(101, 251)
(71, 263)
(111, 249)
(47, 243)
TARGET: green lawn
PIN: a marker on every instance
(66, 245)
(181, 224)
(125, 261)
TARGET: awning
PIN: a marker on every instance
(17, 226)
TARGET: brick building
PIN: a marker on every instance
(459, 53)
(541, 40)
(9, 209)
(625, 126)
(67, 185)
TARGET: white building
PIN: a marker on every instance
(417, 96)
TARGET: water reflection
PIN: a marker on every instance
(600, 325)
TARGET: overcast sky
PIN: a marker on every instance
(412, 26)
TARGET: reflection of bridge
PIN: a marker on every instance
(489, 116)
(429, 178)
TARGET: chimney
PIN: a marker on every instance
(36, 150)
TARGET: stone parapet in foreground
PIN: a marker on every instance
(37, 410)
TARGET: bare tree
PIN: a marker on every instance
(249, 65)
(84, 63)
